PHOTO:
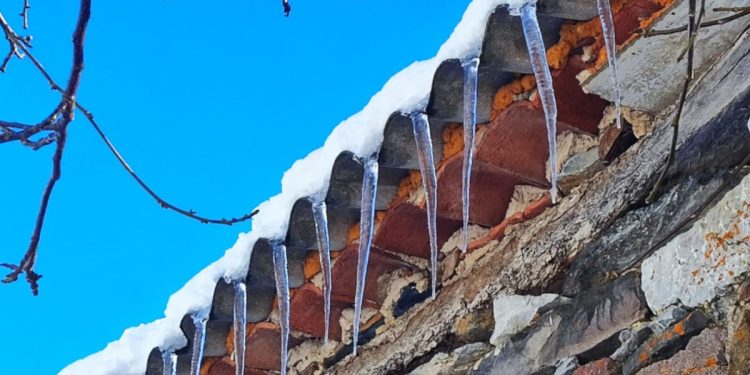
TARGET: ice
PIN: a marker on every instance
(421, 127)
(470, 68)
(240, 325)
(538, 56)
(608, 31)
(169, 362)
(200, 318)
(320, 217)
(366, 227)
(281, 274)
(361, 134)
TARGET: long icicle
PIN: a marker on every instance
(608, 31)
(470, 68)
(282, 291)
(366, 227)
(538, 56)
(421, 128)
(200, 318)
(169, 362)
(320, 217)
(240, 325)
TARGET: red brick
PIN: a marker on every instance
(404, 230)
(574, 107)
(491, 191)
(345, 274)
(308, 312)
(263, 347)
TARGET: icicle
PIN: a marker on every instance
(282, 291)
(200, 318)
(366, 227)
(169, 362)
(240, 325)
(324, 250)
(608, 31)
(421, 127)
(470, 130)
(538, 56)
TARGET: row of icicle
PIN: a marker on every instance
(423, 140)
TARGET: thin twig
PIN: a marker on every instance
(683, 96)
(717, 22)
(164, 204)
(12, 39)
(25, 14)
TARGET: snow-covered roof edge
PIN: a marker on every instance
(361, 134)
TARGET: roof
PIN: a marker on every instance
(511, 156)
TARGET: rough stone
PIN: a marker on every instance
(475, 326)
(614, 141)
(711, 255)
(513, 313)
(739, 349)
(665, 344)
(578, 168)
(458, 361)
(632, 236)
(604, 366)
(713, 133)
(654, 79)
(704, 355)
(570, 328)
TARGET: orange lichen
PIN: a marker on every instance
(679, 328)
(408, 184)
(505, 95)
(353, 234)
(312, 265)
(453, 140)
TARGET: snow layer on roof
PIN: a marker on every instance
(361, 134)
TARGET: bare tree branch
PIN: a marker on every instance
(164, 204)
(692, 30)
(25, 14)
(740, 12)
(53, 129)
(65, 110)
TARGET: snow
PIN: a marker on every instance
(361, 134)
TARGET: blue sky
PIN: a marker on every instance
(210, 102)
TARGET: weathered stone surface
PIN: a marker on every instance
(613, 142)
(475, 326)
(536, 252)
(665, 344)
(604, 366)
(513, 313)
(632, 236)
(704, 355)
(569, 328)
(630, 340)
(739, 347)
(458, 361)
(580, 167)
(654, 79)
(712, 254)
